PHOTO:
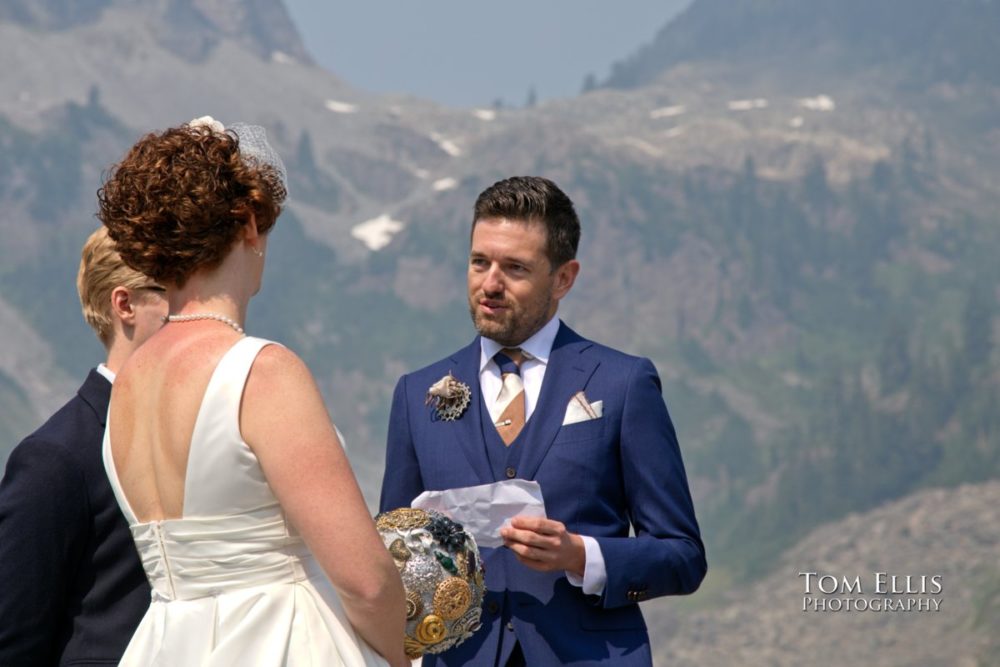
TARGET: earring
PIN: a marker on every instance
(257, 251)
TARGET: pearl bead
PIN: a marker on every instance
(218, 317)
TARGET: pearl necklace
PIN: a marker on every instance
(205, 316)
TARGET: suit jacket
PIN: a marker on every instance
(596, 476)
(72, 589)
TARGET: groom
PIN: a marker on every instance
(586, 422)
(72, 588)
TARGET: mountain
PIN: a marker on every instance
(920, 41)
(809, 259)
(190, 29)
(767, 625)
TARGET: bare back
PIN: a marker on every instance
(155, 403)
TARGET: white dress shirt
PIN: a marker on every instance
(106, 372)
(537, 350)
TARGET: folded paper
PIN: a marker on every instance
(483, 510)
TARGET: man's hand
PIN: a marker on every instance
(545, 545)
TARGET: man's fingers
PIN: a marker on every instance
(531, 556)
(537, 524)
(527, 537)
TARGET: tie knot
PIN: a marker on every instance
(509, 360)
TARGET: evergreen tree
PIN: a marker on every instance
(894, 361)
(304, 155)
(977, 328)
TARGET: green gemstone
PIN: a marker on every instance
(446, 562)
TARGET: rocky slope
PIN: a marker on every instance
(953, 535)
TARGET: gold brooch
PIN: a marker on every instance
(431, 630)
(399, 551)
(414, 605)
(403, 518)
(452, 598)
(449, 397)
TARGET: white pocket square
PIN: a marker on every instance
(580, 410)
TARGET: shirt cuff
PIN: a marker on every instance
(595, 575)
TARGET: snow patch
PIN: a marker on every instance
(818, 103)
(421, 173)
(797, 122)
(485, 114)
(377, 232)
(644, 146)
(442, 184)
(281, 58)
(340, 107)
(447, 145)
(747, 105)
(667, 112)
(674, 132)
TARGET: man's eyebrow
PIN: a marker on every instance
(504, 259)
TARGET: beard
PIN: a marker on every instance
(514, 325)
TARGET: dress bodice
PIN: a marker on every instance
(233, 584)
(232, 532)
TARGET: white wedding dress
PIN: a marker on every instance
(233, 584)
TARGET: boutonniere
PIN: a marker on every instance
(449, 397)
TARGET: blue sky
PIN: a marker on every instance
(463, 53)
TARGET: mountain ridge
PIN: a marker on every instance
(191, 29)
(924, 39)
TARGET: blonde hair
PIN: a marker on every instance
(101, 271)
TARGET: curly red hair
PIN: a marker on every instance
(177, 201)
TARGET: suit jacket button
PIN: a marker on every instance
(492, 607)
(510, 625)
(510, 472)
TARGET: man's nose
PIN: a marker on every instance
(493, 281)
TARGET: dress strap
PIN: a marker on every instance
(217, 448)
(112, 473)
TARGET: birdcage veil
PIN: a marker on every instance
(255, 150)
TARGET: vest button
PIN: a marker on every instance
(511, 473)
(493, 607)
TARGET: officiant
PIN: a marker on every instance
(531, 399)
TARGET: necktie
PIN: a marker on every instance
(511, 397)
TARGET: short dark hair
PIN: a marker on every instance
(534, 199)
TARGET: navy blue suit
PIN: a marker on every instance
(596, 477)
(72, 589)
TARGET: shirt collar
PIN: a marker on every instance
(106, 372)
(538, 347)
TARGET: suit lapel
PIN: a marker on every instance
(567, 372)
(468, 429)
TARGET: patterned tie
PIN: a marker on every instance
(511, 397)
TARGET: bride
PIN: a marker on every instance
(246, 514)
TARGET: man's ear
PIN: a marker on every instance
(564, 278)
(121, 305)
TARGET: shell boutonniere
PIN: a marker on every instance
(449, 397)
